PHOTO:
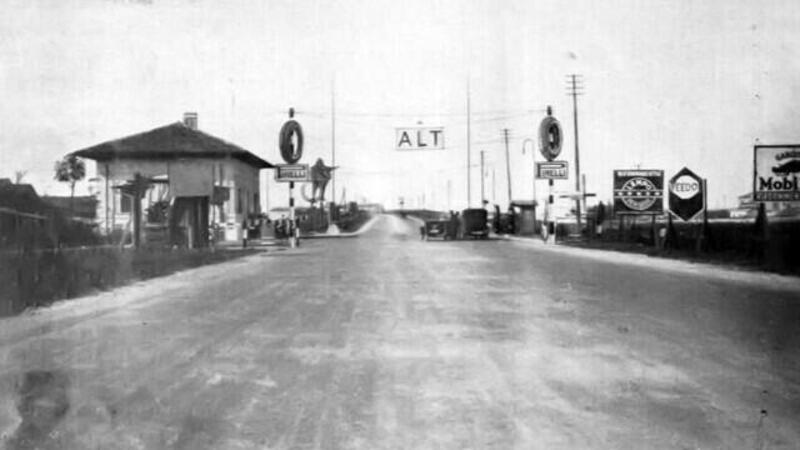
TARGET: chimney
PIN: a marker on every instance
(190, 120)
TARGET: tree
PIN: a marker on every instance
(70, 169)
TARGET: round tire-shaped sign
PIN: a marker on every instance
(291, 142)
(550, 137)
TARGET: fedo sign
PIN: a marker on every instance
(685, 186)
(686, 194)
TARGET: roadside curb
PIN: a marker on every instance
(767, 279)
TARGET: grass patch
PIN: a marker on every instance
(39, 278)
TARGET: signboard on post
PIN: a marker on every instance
(686, 195)
(419, 138)
(552, 170)
(776, 173)
(285, 173)
(550, 136)
(639, 192)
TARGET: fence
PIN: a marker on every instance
(772, 248)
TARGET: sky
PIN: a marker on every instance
(665, 84)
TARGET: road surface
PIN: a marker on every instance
(387, 342)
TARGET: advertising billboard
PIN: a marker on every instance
(686, 194)
(776, 172)
(639, 192)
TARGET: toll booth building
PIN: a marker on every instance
(191, 186)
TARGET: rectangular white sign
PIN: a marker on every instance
(419, 138)
(776, 173)
(552, 170)
(285, 173)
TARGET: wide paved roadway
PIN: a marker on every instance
(386, 342)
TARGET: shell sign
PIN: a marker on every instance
(776, 170)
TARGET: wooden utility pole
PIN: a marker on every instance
(483, 196)
(333, 144)
(508, 164)
(574, 86)
(469, 157)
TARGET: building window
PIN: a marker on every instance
(239, 201)
(256, 203)
(125, 203)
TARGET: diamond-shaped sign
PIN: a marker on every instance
(687, 196)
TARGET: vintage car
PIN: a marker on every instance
(474, 223)
(436, 229)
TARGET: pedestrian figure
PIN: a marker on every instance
(452, 226)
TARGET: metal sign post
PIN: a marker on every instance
(292, 230)
(291, 147)
(550, 146)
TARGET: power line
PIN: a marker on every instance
(496, 114)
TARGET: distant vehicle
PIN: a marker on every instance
(436, 229)
(475, 223)
(504, 224)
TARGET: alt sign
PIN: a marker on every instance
(419, 138)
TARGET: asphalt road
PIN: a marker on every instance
(387, 342)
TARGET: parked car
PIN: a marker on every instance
(436, 229)
(475, 223)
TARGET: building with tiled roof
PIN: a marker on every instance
(205, 181)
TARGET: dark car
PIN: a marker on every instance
(475, 223)
(436, 229)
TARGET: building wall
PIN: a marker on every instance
(186, 177)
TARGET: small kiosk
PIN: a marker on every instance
(525, 220)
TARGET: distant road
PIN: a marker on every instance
(388, 342)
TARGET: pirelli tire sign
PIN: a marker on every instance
(639, 192)
(776, 173)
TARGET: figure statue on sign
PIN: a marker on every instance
(320, 175)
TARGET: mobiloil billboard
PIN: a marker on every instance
(776, 173)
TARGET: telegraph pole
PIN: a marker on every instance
(333, 144)
(574, 89)
(508, 164)
(483, 196)
(469, 161)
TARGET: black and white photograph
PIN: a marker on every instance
(399, 225)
